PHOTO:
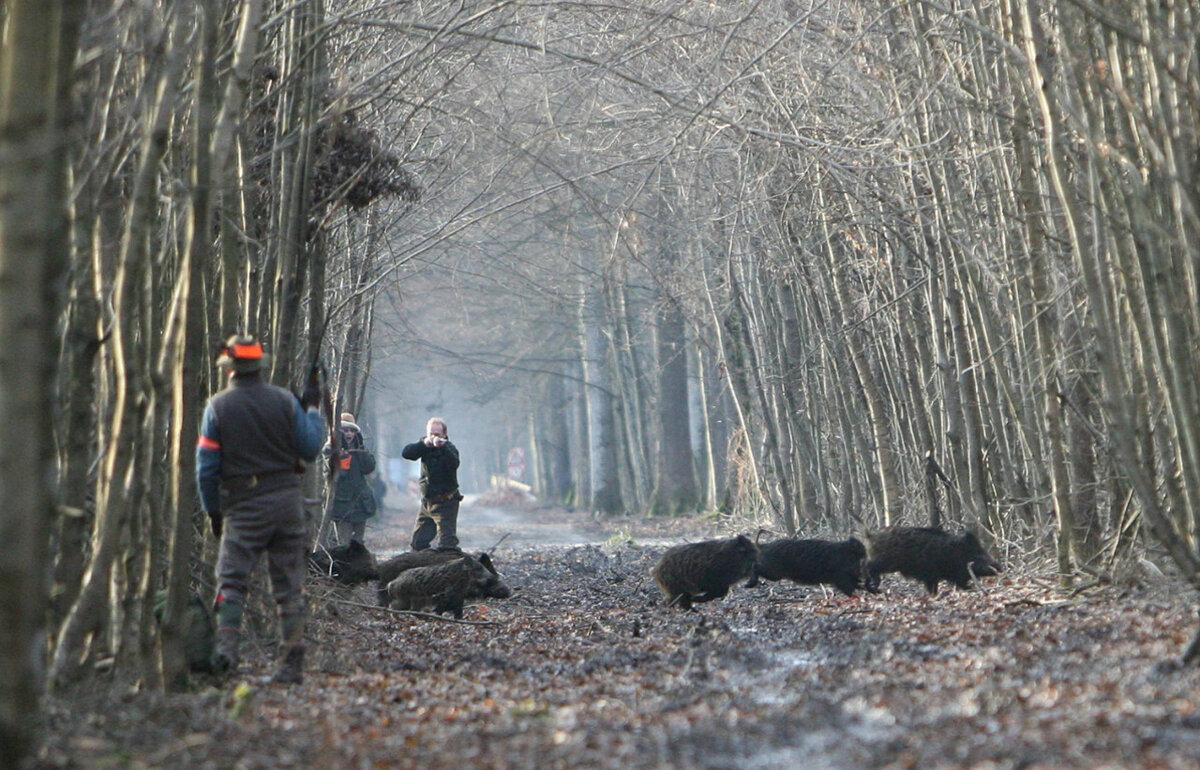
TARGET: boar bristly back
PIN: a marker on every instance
(703, 571)
(930, 555)
(814, 562)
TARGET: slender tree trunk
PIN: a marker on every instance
(35, 54)
(793, 388)
(1085, 506)
(740, 334)
(675, 482)
(880, 420)
(117, 492)
(183, 391)
(304, 78)
(703, 427)
(81, 341)
(581, 485)
(604, 490)
(637, 439)
(968, 388)
(553, 440)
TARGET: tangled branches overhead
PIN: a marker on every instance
(354, 166)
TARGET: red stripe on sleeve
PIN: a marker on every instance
(204, 442)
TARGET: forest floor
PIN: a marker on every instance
(585, 668)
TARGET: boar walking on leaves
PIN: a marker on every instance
(401, 563)
(928, 554)
(813, 562)
(703, 571)
(444, 587)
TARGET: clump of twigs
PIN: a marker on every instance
(354, 166)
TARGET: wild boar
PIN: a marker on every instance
(393, 567)
(703, 571)
(348, 564)
(444, 587)
(813, 562)
(928, 554)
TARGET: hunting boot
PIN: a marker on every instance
(229, 631)
(291, 632)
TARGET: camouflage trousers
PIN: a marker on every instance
(439, 519)
(271, 522)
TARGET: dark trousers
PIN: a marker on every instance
(439, 519)
(271, 522)
(349, 530)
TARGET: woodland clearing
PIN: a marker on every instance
(585, 667)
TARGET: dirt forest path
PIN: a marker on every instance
(585, 668)
(482, 525)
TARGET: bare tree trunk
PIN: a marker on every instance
(183, 392)
(117, 493)
(81, 342)
(1088, 539)
(880, 420)
(675, 482)
(741, 460)
(604, 490)
(967, 386)
(792, 387)
(553, 442)
(303, 78)
(711, 420)
(581, 489)
(184, 354)
(38, 46)
(740, 334)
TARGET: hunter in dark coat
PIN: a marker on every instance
(353, 500)
(253, 437)
(439, 487)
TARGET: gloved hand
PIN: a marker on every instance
(312, 389)
(216, 520)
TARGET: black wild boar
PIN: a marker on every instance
(444, 587)
(701, 572)
(813, 562)
(348, 564)
(391, 569)
(929, 555)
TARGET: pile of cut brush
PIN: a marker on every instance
(585, 665)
